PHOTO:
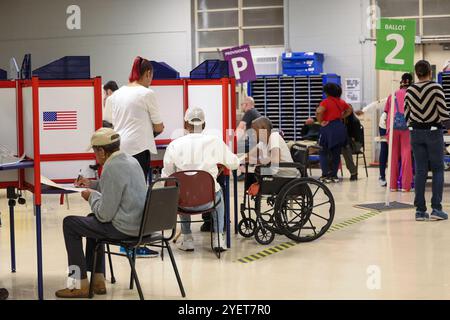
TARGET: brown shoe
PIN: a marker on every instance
(100, 288)
(82, 293)
(73, 293)
(99, 284)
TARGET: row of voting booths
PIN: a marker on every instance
(51, 121)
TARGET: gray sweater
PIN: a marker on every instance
(120, 194)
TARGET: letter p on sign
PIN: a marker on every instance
(240, 63)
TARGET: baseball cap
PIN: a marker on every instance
(104, 137)
(195, 116)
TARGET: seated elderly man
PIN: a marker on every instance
(199, 151)
(117, 201)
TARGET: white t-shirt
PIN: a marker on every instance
(198, 152)
(107, 112)
(378, 105)
(277, 142)
(133, 110)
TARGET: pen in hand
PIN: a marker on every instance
(78, 179)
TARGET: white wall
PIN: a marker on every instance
(112, 33)
(335, 28)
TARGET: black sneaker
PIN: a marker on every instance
(335, 180)
(354, 177)
(206, 227)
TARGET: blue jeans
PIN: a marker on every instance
(219, 214)
(384, 151)
(428, 149)
(329, 161)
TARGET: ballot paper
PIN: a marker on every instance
(50, 183)
(7, 157)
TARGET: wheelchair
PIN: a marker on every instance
(300, 208)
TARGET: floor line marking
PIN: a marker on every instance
(290, 244)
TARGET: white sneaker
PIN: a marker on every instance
(187, 244)
(222, 243)
(383, 183)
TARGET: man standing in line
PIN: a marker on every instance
(426, 111)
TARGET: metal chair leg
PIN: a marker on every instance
(113, 279)
(132, 262)
(133, 256)
(91, 284)
(218, 235)
(175, 269)
(162, 246)
(365, 164)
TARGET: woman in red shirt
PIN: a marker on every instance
(333, 134)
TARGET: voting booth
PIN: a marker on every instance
(51, 123)
(216, 97)
(62, 116)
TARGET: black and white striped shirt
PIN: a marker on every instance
(425, 105)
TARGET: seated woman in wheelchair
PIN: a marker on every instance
(271, 149)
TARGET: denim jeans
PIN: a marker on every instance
(219, 214)
(428, 149)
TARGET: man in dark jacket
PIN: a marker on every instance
(354, 145)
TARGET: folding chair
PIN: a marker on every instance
(197, 188)
(362, 152)
(160, 213)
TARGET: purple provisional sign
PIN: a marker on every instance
(240, 63)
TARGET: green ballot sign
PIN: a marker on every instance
(395, 45)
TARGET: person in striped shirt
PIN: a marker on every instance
(425, 112)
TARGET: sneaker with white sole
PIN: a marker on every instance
(222, 246)
(438, 215)
(383, 182)
(422, 216)
(187, 243)
(335, 180)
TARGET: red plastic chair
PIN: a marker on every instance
(197, 188)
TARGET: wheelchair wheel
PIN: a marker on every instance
(264, 236)
(304, 210)
(246, 227)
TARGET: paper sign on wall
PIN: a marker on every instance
(352, 90)
(240, 63)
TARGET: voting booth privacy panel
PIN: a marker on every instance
(215, 96)
(51, 122)
(8, 128)
(59, 119)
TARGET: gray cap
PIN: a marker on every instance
(195, 116)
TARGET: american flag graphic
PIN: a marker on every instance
(60, 120)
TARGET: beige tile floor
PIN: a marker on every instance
(412, 259)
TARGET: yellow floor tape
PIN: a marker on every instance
(284, 246)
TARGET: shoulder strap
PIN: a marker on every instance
(396, 103)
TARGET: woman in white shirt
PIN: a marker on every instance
(271, 149)
(135, 114)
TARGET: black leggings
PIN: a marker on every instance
(144, 160)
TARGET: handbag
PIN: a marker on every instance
(399, 118)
